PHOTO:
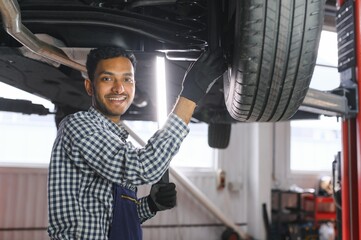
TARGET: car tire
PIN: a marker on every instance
(274, 55)
(219, 135)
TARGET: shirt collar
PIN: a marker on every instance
(121, 132)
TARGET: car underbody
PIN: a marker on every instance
(44, 44)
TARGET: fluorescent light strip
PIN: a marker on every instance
(161, 92)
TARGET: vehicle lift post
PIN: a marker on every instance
(351, 149)
(356, 163)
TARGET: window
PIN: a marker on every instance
(325, 76)
(25, 140)
(195, 151)
(314, 143)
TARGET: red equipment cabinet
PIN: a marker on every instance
(318, 208)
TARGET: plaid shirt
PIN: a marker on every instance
(91, 153)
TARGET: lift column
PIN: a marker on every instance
(358, 133)
(349, 46)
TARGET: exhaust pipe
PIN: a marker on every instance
(10, 12)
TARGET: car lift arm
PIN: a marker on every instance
(327, 103)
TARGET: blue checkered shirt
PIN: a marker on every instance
(91, 153)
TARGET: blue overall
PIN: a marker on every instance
(126, 223)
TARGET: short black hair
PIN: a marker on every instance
(98, 54)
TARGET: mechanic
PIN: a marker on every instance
(94, 171)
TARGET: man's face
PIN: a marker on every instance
(113, 88)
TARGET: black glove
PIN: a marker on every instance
(162, 196)
(202, 74)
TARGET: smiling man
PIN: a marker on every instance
(94, 171)
(113, 86)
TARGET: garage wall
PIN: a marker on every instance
(23, 205)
